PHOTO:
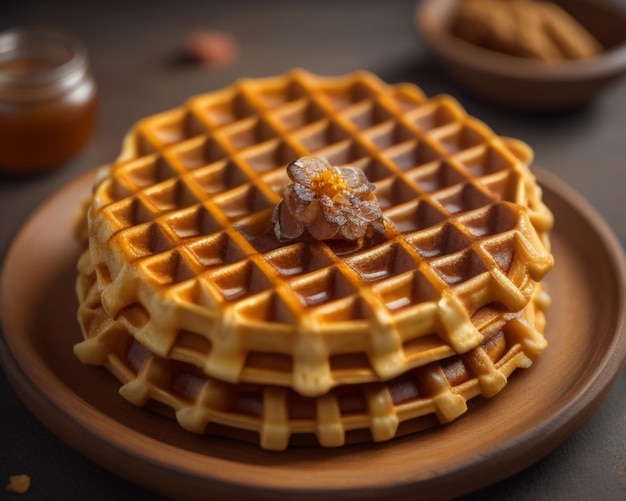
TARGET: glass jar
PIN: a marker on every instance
(47, 98)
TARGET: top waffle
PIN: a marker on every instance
(182, 242)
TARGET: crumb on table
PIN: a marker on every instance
(18, 483)
(215, 49)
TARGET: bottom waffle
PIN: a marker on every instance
(278, 417)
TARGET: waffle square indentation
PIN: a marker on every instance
(270, 155)
(322, 286)
(298, 259)
(382, 262)
(240, 280)
(197, 152)
(216, 250)
(224, 107)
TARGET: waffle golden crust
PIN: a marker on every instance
(183, 246)
(276, 417)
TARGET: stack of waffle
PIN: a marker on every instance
(190, 298)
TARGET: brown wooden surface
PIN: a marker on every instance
(134, 48)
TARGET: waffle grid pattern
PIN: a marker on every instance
(278, 416)
(184, 252)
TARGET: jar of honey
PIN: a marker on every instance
(47, 98)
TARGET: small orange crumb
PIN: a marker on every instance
(215, 49)
(18, 483)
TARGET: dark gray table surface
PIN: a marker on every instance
(134, 47)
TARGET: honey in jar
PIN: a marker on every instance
(47, 98)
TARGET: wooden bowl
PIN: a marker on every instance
(526, 84)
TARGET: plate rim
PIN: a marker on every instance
(588, 397)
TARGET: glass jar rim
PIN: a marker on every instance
(63, 51)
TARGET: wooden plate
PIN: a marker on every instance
(539, 409)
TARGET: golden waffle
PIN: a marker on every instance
(184, 250)
(276, 417)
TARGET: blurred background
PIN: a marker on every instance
(140, 61)
(137, 47)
